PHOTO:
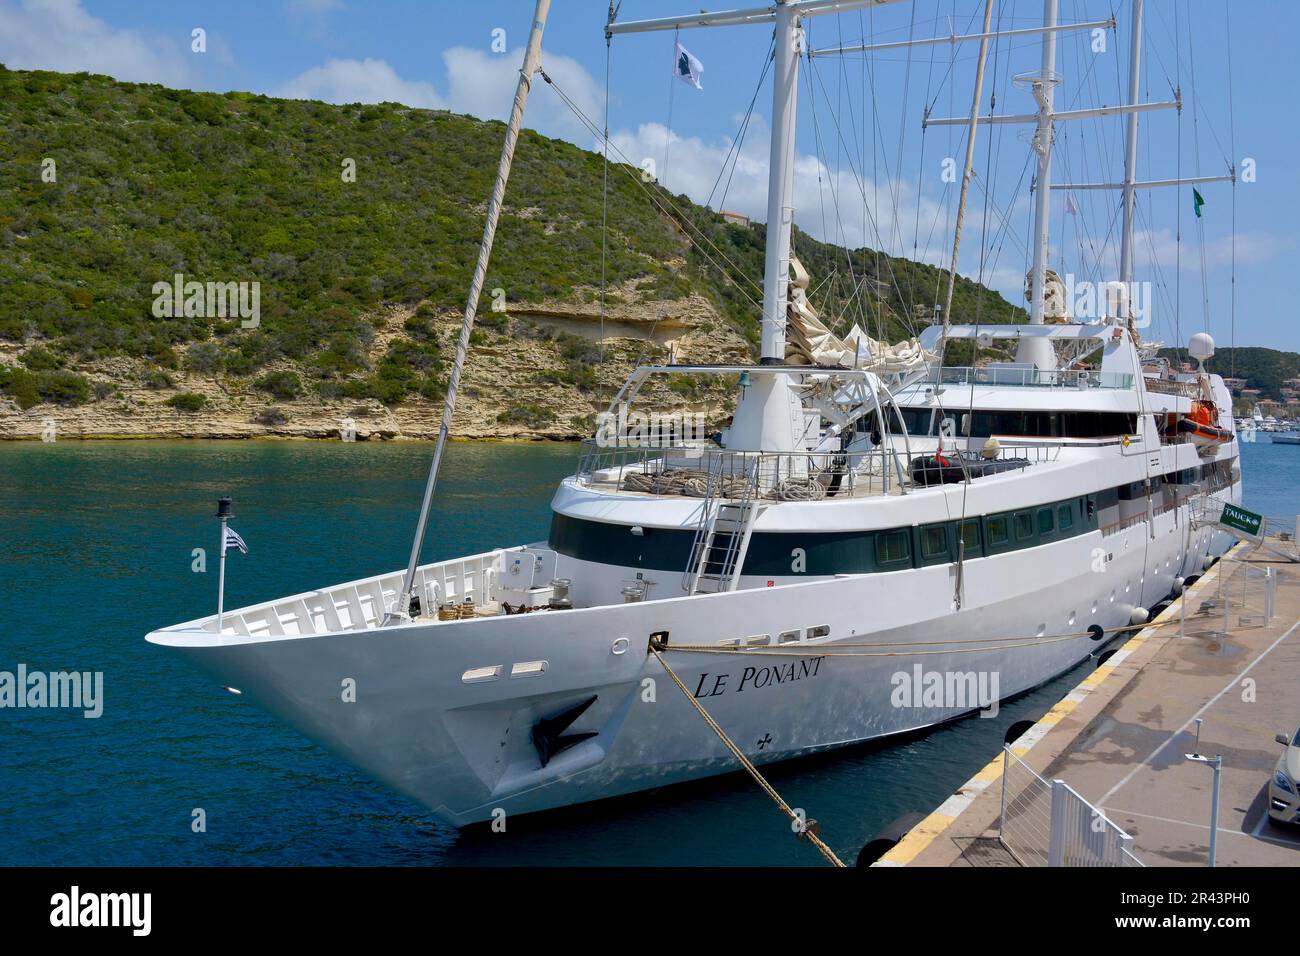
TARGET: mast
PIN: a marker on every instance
(532, 57)
(1130, 165)
(769, 414)
(1044, 86)
(780, 193)
(968, 167)
(1036, 350)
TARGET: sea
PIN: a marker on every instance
(101, 542)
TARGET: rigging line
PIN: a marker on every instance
(805, 830)
(738, 143)
(1232, 143)
(862, 188)
(672, 86)
(840, 232)
(902, 136)
(819, 83)
(966, 170)
(1196, 159)
(1003, 219)
(604, 198)
(1178, 198)
(920, 168)
(634, 172)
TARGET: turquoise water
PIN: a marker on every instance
(97, 542)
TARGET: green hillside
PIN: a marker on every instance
(150, 182)
(1264, 369)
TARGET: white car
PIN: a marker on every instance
(1283, 791)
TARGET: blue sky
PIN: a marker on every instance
(876, 167)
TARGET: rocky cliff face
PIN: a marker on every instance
(528, 377)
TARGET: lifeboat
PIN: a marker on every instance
(1199, 427)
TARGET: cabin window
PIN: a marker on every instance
(1045, 524)
(1065, 517)
(788, 637)
(1024, 525)
(999, 530)
(970, 538)
(821, 630)
(892, 547)
(758, 640)
(934, 542)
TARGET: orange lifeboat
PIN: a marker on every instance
(1199, 426)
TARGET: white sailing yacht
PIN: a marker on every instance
(870, 517)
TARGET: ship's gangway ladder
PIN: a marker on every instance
(722, 538)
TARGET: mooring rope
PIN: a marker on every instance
(806, 829)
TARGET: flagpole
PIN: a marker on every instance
(223, 512)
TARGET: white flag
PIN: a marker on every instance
(233, 540)
(687, 68)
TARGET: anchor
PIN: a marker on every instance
(548, 733)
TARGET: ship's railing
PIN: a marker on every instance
(698, 469)
(1169, 386)
(1030, 377)
(800, 476)
(361, 605)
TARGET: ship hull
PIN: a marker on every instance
(446, 713)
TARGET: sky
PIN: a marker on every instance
(867, 172)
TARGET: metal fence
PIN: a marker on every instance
(1050, 824)
(1247, 596)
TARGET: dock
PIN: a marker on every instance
(1119, 738)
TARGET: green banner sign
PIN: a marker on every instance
(1241, 519)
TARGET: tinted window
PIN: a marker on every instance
(970, 537)
(934, 542)
(1045, 525)
(891, 546)
(1065, 517)
(999, 530)
(1024, 525)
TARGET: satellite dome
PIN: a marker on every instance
(1201, 346)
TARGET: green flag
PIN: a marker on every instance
(1197, 202)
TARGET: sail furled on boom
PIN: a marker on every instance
(808, 341)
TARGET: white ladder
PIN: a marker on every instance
(722, 540)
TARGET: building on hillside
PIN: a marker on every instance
(740, 219)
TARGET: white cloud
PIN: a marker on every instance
(360, 81)
(479, 83)
(690, 165)
(60, 35)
